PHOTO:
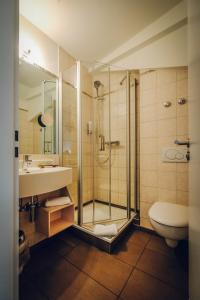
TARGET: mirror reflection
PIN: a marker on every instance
(38, 110)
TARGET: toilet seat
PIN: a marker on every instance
(169, 214)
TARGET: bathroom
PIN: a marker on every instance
(104, 155)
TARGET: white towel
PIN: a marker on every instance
(105, 230)
(58, 201)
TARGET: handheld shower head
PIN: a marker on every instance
(97, 84)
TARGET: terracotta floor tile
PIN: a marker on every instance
(60, 247)
(63, 281)
(142, 286)
(27, 291)
(157, 243)
(128, 252)
(105, 269)
(40, 259)
(85, 288)
(139, 237)
(69, 238)
(163, 267)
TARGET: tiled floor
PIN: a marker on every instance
(142, 267)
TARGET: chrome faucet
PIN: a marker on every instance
(26, 161)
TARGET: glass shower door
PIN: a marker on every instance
(96, 180)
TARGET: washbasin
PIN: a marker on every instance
(36, 181)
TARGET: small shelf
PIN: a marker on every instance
(52, 220)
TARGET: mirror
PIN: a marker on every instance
(38, 110)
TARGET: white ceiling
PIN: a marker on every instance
(91, 29)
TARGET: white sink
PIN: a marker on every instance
(36, 181)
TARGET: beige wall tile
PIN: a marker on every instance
(182, 168)
(167, 195)
(148, 162)
(182, 182)
(148, 145)
(165, 166)
(182, 126)
(148, 97)
(148, 113)
(182, 197)
(148, 129)
(167, 127)
(148, 80)
(167, 180)
(149, 194)
(182, 88)
(166, 76)
(182, 73)
(149, 178)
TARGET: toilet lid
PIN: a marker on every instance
(169, 214)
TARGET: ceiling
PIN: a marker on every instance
(91, 29)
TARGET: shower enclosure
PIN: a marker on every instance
(99, 143)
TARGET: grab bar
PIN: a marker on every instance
(116, 143)
(182, 143)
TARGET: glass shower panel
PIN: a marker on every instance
(95, 146)
(69, 128)
(119, 129)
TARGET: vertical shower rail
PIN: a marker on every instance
(79, 144)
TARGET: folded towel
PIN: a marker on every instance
(105, 230)
(58, 201)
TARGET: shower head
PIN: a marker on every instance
(97, 84)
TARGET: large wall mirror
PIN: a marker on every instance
(38, 110)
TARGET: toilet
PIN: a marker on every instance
(170, 221)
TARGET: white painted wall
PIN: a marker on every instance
(168, 51)
(44, 51)
(161, 44)
(194, 128)
(8, 177)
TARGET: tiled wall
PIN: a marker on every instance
(159, 127)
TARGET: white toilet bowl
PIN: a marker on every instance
(170, 221)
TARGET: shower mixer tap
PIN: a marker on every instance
(102, 140)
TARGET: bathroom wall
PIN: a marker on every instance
(159, 127)
(44, 51)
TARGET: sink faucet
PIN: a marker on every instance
(26, 161)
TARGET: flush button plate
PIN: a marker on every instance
(177, 155)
